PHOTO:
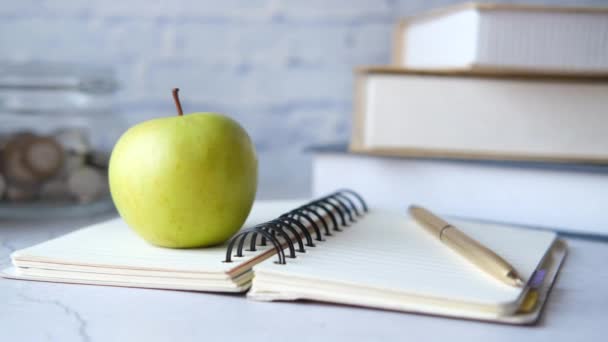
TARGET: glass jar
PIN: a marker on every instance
(58, 124)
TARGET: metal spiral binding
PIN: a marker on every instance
(289, 231)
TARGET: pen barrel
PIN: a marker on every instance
(476, 253)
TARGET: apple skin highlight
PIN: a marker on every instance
(184, 181)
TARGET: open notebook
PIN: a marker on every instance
(376, 259)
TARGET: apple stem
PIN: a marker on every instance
(180, 112)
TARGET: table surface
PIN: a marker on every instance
(36, 311)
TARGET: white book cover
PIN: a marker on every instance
(505, 36)
(569, 198)
(475, 115)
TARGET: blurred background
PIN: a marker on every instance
(283, 69)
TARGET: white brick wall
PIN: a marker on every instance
(282, 68)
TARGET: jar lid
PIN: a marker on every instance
(51, 88)
(57, 76)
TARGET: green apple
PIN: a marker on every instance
(184, 181)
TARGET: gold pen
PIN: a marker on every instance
(472, 250)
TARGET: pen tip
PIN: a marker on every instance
(515, 279)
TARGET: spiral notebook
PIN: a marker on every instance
(332, 249)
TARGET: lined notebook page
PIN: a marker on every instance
(113, 244)
(387, 250)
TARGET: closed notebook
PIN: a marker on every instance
(332, 249)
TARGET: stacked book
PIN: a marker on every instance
(494, 112)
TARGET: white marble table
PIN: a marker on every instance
(35, 311)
